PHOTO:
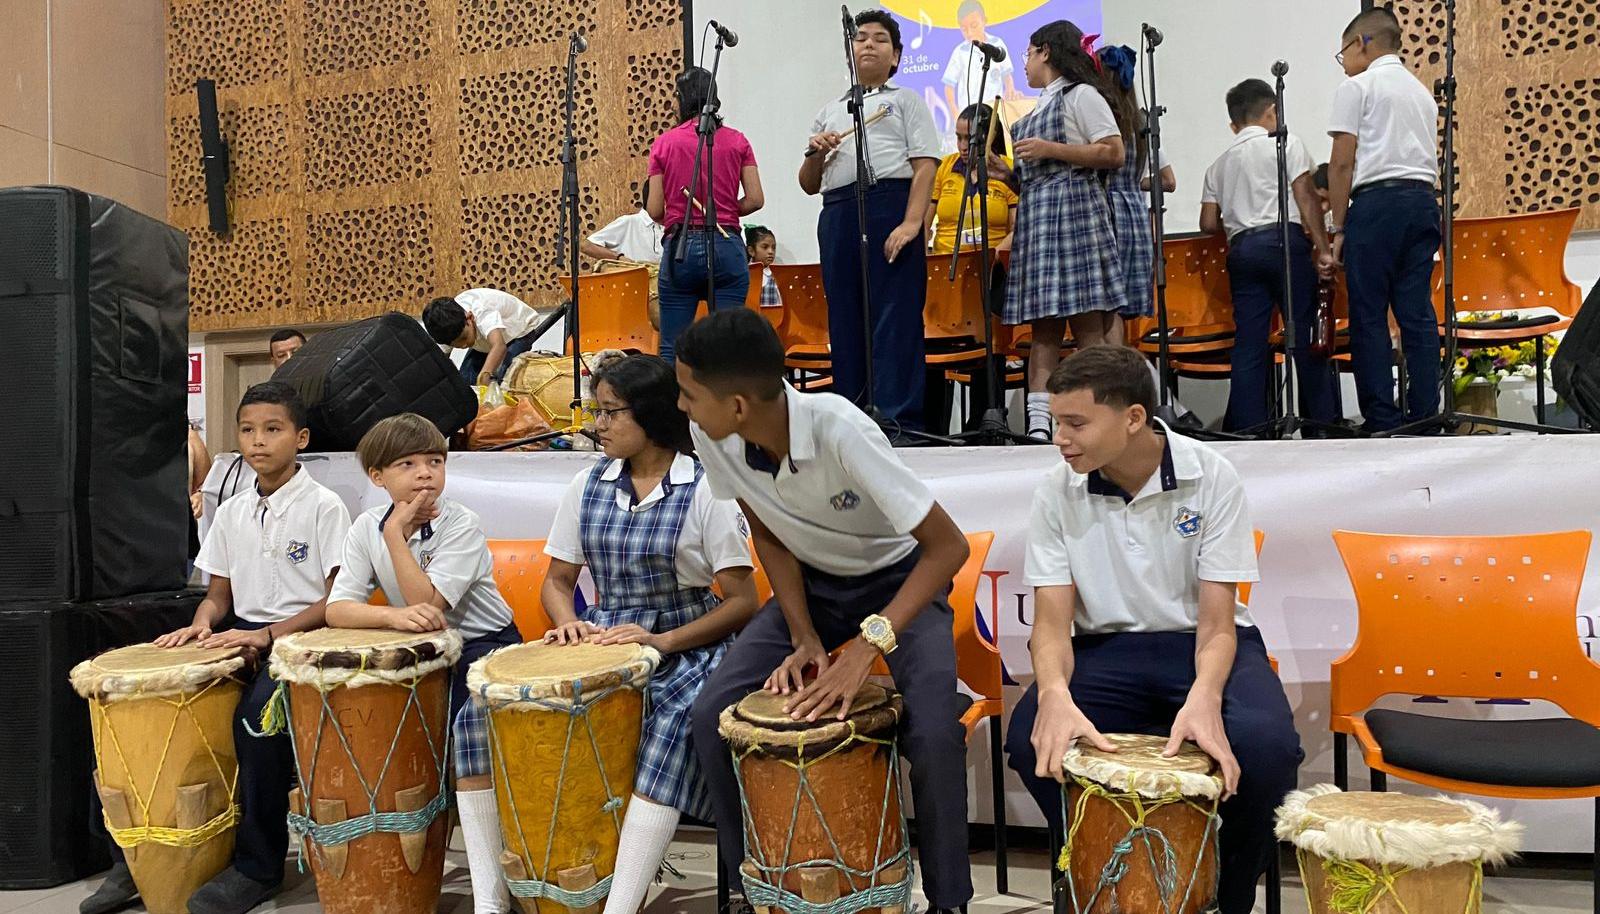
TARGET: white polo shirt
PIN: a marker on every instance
(1137, 563)
(636, 237)
(492, 309)
(841, 501)
(452, 551)
(277, 550)
(1243, 181)
(1084, 112)
(1394, 119)
(905, 133)
(714, 536)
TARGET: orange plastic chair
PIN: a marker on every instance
(1480, 617)
(520, 567)
(615, 311)
(952, 313)
(1199, 299)
(804, 325)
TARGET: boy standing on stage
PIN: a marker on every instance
(860, 557)
(1386, 217)
(1240, 198)
(903, 151)
(1135, 546)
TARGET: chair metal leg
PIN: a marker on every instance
(1058, 893)
(1341, 761)
(1380, 780)
(1538, 379)
(1275, 881)
(1597, 855)
(1002, 881)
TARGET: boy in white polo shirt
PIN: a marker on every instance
(271, 559)
(1385, 217)
(429, 556)
(1137, 626)
(493, 326)
(860, 557)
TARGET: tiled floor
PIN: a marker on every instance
(1525, 890)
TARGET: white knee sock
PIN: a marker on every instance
(480, 829)
(647, 830)
(1039, 413)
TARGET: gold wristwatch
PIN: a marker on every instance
(877, 631)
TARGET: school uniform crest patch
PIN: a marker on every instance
(425, 560)
(845, 501)
(297, 552)
(1187, 523)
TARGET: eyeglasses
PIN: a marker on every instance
(610, 415)
(1359, 39)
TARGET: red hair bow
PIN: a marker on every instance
(1087, 43)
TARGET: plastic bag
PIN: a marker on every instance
(498, 425)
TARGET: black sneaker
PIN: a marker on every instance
(116, 893)
(231, 892)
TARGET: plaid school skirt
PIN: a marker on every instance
(1064, 259)
(1130, 214)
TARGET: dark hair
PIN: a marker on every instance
(444, 320)
(880, 17)
(1319, 178)
(1378, 25)
(287, 333)
(1125, 107)
(734, 351)
(1062, 42)
(694, 88)
(399, 436)
(1249, 100)
(754, 233)
(1118, 376)
(977, 116)
(650, 388)
(277, 393)
(644, 192)
(967, 8)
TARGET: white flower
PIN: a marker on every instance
(1527, 371)
(1503, 373)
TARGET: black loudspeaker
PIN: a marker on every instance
(47, 834)
(1575, 370)
(352, 377)
(94, 300)
(213, 156)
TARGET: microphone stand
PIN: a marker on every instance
(707, 130)
(1290, 422)
(1158, 208)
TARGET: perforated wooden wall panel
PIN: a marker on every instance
(387, 151)
(1528, 109)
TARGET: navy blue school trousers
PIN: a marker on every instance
(1135, 682)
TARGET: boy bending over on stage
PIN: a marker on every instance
(431, 559)
(1134, 549)
(860, 556)
(271, 559)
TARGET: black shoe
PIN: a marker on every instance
(231, 892)
(116, 893)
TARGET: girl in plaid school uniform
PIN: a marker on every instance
(1065, 266)
(655, 541)
(762, 246)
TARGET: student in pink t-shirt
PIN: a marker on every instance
(732, 168)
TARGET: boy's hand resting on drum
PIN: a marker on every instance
(418, 617)
(184, 635)
(1058, 728)
(837, 684)
(1200, 721)
(258, 639)
(790, 676)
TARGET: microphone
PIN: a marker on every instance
(998, 55)
(1152, 35)
(579, 43)
(1281, 68)
(849, 21)
(729, 36)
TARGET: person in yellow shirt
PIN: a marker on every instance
(951, 181)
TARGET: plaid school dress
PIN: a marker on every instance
(1064, 258)
(1130, 216)
(632, 557)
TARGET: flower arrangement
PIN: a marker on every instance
(1493, 364)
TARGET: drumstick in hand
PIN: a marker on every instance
(702, 209)
(872, 118)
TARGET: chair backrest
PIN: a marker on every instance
(1198, 292)
(954, 309)
(615, 310)
(1467, 617)
(805, 305)
(977, 657)
(520, 567)
(1505, 262)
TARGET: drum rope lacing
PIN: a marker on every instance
(1356, 888)
(769, 891)
(277, 717)
(575, 708)
(159, 834)
(1165, 871)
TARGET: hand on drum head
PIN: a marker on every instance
(1200, 722)
(184, 635)
(837, 686)
(790, 676)
(418, 617)
(571, 633)
(628, 634)
(1058, 727)
(258, 640)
